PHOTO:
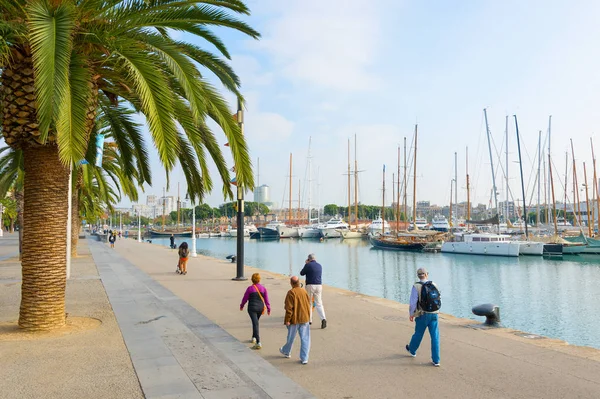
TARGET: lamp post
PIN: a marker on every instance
(120, 223)
(139, 226)
(193, 253)
(1, 225)
(240, 210)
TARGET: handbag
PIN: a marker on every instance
(262, 299)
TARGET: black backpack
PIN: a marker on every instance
(431, 300)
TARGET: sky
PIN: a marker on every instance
(330, 70)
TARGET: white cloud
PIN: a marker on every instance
(267, 126)
(329, 44)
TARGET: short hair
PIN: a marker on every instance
(421, 271)
(255, 278)
(311, 257)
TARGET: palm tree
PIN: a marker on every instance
(61, 62)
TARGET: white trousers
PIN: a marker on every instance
(315, 292)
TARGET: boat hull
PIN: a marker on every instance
(331, 233)
(349, 235)
(266, 234)
(531, 248)
(510, 249)
(396, 246)
(553, 249)
(168, 233)
(573, 249)
(287, 232)
(309, 233)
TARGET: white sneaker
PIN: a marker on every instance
(254, 341)
(435, 364)
(287, 355)
(305, 362)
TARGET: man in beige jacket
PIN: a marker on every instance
(297, 316)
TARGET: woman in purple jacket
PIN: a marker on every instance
(258, 302)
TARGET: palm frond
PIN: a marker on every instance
(50, 36)
(71, 125)
(153, 92)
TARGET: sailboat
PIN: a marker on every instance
(352, 233)
(416, 240)
(484, 243)
(312, 230)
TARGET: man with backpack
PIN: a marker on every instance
(425, 303)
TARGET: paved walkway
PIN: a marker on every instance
(177, 352)
(360, 354)
(90, 363)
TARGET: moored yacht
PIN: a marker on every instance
(420, 222)
(333, 228)
(440, 223)
(482, 244)
(288, 231)
(376, 225)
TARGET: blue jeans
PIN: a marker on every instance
(304, 332)
(430, 321)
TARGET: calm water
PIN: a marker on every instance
(555, 298)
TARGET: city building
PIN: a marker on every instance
(151, 200)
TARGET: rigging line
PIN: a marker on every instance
(478, 162)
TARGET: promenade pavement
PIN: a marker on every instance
(361, 352)
(86, 360)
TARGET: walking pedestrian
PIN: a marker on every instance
(425, 302)
(297, 316)
(172, 239)
(258, 303)
(112, 240)
(184, 252)
(313, 272)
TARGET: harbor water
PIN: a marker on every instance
(557, 298)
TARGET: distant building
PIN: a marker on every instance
(151, 200)
(511, 209)
(144, 210)
(262, 194)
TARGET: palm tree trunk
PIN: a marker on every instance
(19, 199)
(44, 245)
(75, 218)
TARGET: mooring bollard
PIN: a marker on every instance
(232, 257)
(490, 311)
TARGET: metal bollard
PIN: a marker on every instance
(490, 311)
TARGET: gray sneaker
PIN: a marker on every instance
(435, 364)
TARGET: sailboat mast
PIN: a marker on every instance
(349, 197)
(539, 185)
(576, 187)
(456, 182)
(355, 184)
(595, 185)
(587, 201)
(393, 195)
(178, 206)
(290, 196)
(383, 205)
(450, 210)
(522, 183)
(549, 153)
(487, 129)
(415, 182)
(552, 189)
(506, 216)
(405, 204)
(398, 196)
(566, 175)
(258, 184)
(309, 178)
(468, 187)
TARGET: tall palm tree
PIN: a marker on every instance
(61, 61)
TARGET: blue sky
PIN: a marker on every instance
(329, 70)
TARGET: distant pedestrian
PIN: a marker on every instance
(258, 304)
(184, 253)
(313, 272)
(172, 239)
(425, 303)
(297, 315)
(112, 240)
(119, 234)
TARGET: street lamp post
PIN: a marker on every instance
(139, 226)
(1, 225)
(240, 210)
